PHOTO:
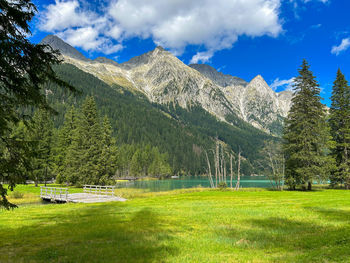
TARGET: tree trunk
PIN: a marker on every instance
(45, 175)
(231, 170)
(209, 172)
(238, 170)
(309, 186)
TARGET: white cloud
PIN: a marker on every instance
(79, 27)
(344, 45)
(174, 24)
(317, 26)
(286, 84)
(63, 15)
(215, 25)
(201, 57)
(323, 1)
(88, 39)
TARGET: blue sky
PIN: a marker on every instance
(243, 38)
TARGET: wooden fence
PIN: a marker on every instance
(99, 190)
(54, 193)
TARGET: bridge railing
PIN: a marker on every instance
(99, 190)
(54, 193)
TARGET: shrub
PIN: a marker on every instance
(17, 195)
(222, 185)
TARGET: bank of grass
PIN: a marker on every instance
(29, 194)
(195, 225)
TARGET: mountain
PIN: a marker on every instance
(254, 101)
(259, 105)
(217, 77)
(182, 134)
(65, 49)
(163, 79)
(166, 80)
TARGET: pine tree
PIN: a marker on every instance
(340, 129)
(136, 163)
(159, 166)
(306, 134)
(108, 158)
(91, 135)
(63, 143)
(24, 67)
(41, 132)
(74, 158)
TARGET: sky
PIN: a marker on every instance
(242, 38)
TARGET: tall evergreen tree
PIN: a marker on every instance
(74, 156)
(340, 129)
(40, 134)
(108, 158)
(306, 134)
(89, 129)
(24, 67)
(63, 142)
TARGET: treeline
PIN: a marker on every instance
(83, 150)
(317, 143)
(142, 160)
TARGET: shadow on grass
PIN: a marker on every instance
(331, 214)
(287, 240)
(101, 233)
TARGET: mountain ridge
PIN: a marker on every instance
(165, 79)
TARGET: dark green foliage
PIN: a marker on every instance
(40, 133)
(64, 139)
(85, 149)
(340, 130)
(306, 135)
(142, 160)
(23, 68)
(108, 159)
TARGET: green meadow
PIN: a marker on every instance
(194, 225)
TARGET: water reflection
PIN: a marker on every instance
(190, 182)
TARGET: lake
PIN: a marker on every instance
(190, 182)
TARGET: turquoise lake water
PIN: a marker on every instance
(190, 182)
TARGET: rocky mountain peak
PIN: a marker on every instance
(258, 79)
(259, 84)
(217, 77)
(58, 44)
(106, 61)
(160, 48)
(145, 58)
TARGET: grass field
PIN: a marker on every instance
(183, 226)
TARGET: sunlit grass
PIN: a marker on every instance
(190, 225)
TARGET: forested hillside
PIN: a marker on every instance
(182, 135)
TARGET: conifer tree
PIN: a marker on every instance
(340, 129)
(306, 135)
(63, 143)
(137, 163)
(89, 129)
(41, 134)
(108, 158)
(74, 156)
(24, 67)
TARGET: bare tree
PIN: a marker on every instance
(220, 166)
(231, 169)
(209, 172)
(275, 164)
(238, 170)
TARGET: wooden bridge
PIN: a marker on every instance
(91, 194)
